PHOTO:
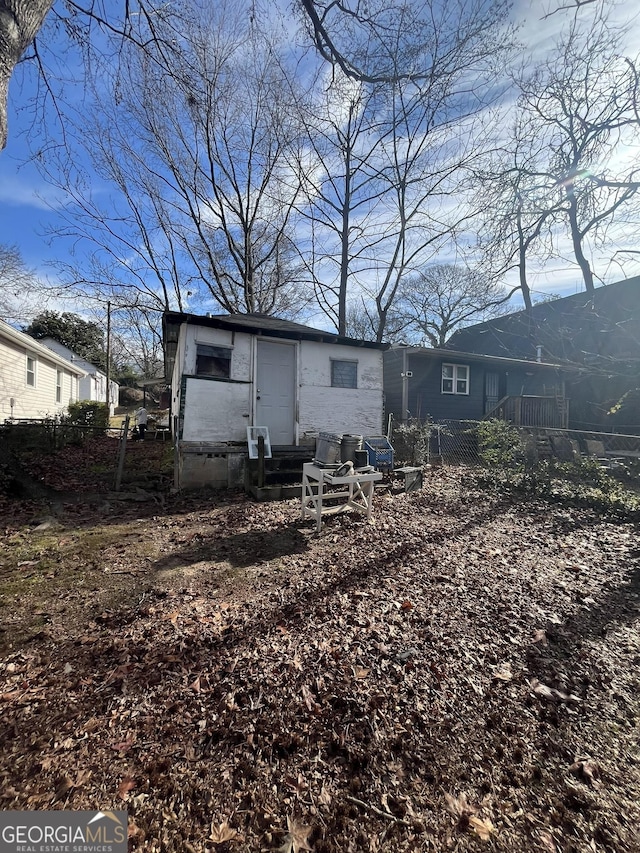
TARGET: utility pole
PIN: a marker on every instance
(108, 395)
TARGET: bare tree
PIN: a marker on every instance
(397, 147)
(339, 164)
(575, 6)
(17, 284)
(360, 39)
(513, 210)
(443, 298)
(581, 105)
(197, 154)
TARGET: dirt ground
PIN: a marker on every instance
(459, 674)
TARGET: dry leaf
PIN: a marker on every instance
(123, 746)
(8, 697)
(223, 833)
(126, 784)
(539, 636)
(407, 605)
(586, 770)
(297, 837)
(361, 671)
(325, 797)
(482, 828)
(541, 689)
(503, 673)
(308, 697)
(458, 806)
(82, 777)
(547, 841)
(62, 788)
(298, 785)
(551, 693)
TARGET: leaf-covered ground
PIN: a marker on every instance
(459, 674)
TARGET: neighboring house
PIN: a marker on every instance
(93, 385)
(234, 371)
(34, 381)
(597, 333)
(421, 382)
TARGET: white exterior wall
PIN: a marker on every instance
(339, 410)
(178, 370)
(216, 411)
(38, 401)
(92, 386)
(219, 411)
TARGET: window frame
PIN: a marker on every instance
(455, 378)
(220, 347)
(59, 384)
(34, 372)
(344, 361)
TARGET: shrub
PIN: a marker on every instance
(89, 413)
(499, 443)
(411, 441)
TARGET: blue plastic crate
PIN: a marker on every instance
(380, 452)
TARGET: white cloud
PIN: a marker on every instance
(19, 192)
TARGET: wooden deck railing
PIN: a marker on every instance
(550, 412)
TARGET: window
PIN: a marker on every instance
(344, 374)
(213, 361)
(455, 379)
(58, 386)
(31, 371)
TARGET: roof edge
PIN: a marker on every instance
(302, 333)
(32, 344)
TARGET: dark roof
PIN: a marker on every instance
(474, 357)
(600, 329)
(255, 324)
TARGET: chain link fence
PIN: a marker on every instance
(454, 442)
(596, 460)
(48, 434)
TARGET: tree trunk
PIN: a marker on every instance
(20, 20)
(522, 260)
(576, 238)
(345, 246)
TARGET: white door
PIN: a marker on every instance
(276, 390)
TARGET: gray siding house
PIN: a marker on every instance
(440, 384)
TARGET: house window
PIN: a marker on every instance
(213, 361)
(455, 379)
(58, 386)
(344, 374)
(31, 371)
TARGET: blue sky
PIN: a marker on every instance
(28, 206)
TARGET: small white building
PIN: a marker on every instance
(93, 385)
(229, 372)
(35, 382)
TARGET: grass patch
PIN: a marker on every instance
(59, 575)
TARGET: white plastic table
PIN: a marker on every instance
(357, 492)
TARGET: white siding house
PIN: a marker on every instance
(34, 381)
(234, 371)
(93, 385)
